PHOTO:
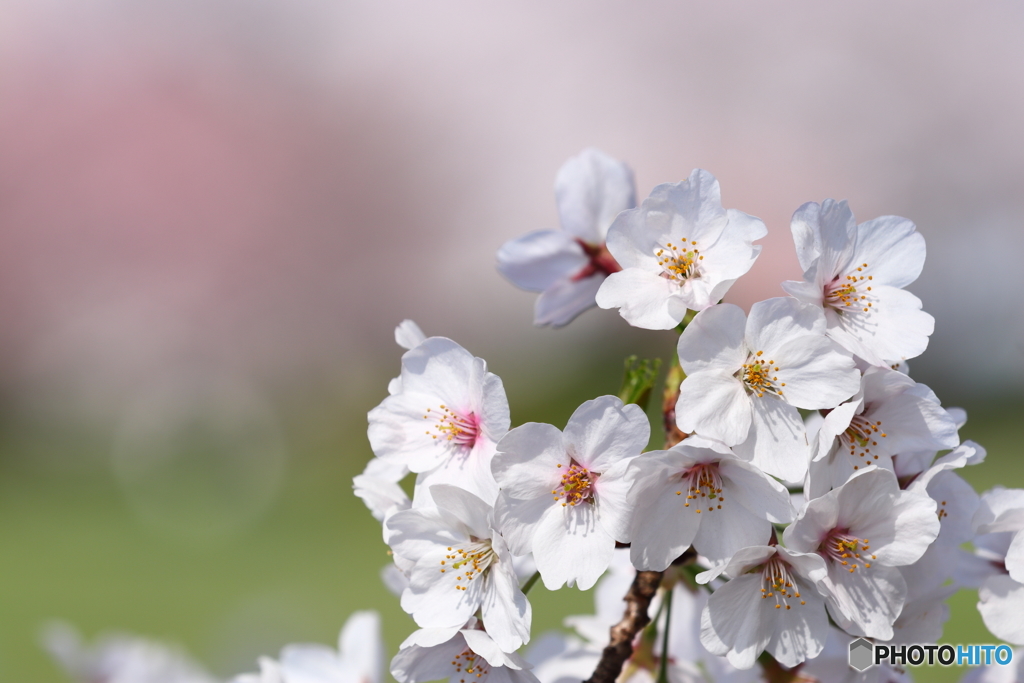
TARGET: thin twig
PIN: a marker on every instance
(620, 644)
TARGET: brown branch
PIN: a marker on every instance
(620, 644)
(673, 380)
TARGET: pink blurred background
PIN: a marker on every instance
(269, 187)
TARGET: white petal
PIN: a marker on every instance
(570, 546)
(1001, 603)
(603, 432)
(815, 375)
(756, 491)
(643, 298)
(654, 546)
(1015, 557)
(734, 618)
(540, 259)
(560, 303)
(408, 334)
(591, 189)
(777, 443)
(778, 321)
(714, 405)
(892, 248)
(865, 601)
(506, 612)
(714, 340)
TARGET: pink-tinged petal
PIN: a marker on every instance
(643, 298)
(714, 405)
(756, 491)
(492, 403)
(470, 471)
(805, 292)
(714, 340)
(591, 189)
(777, 443)
(779, 321)
(560, 303)
(865, 601)
(892, 248)
(540, 259)
(1001, 603)
(603, 432)
(1015, 557)
(571, 547)
(734, 618)
(815, 375)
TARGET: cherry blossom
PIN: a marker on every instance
(746, 378)
(461, 655)
(700, 493)
(856, 274)
(999, 522)
(444, 419)
(358, 659)
(771, 603)
(121, 658)
(865, 530)
(563, 494)
(890, 414)
(456, 564)
(568, 266)
(679, 250)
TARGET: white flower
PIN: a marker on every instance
(890, 414)
(121, 659)
(746, 377)
(857, 273)
(679, 250)
(998, 673)
(770, 604)
(378, 487)
(864, 530)
(569, 265)
(457, 564)
(698, 492)
(358, 659)
(999, 522)
(466, 655)
(447, 414)
(563, 494)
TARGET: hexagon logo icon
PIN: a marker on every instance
(862, 654)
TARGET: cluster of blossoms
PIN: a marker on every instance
(807, 491)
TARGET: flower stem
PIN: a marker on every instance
(529, 582)
(663, 669)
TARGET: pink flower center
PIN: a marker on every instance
(577, 485)
(470, 664)
(846, 550)
(850, 294)
(601, 261)
(452, 427)
(778, 582)
(703, 487)
(680, 261)
(860, 436)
